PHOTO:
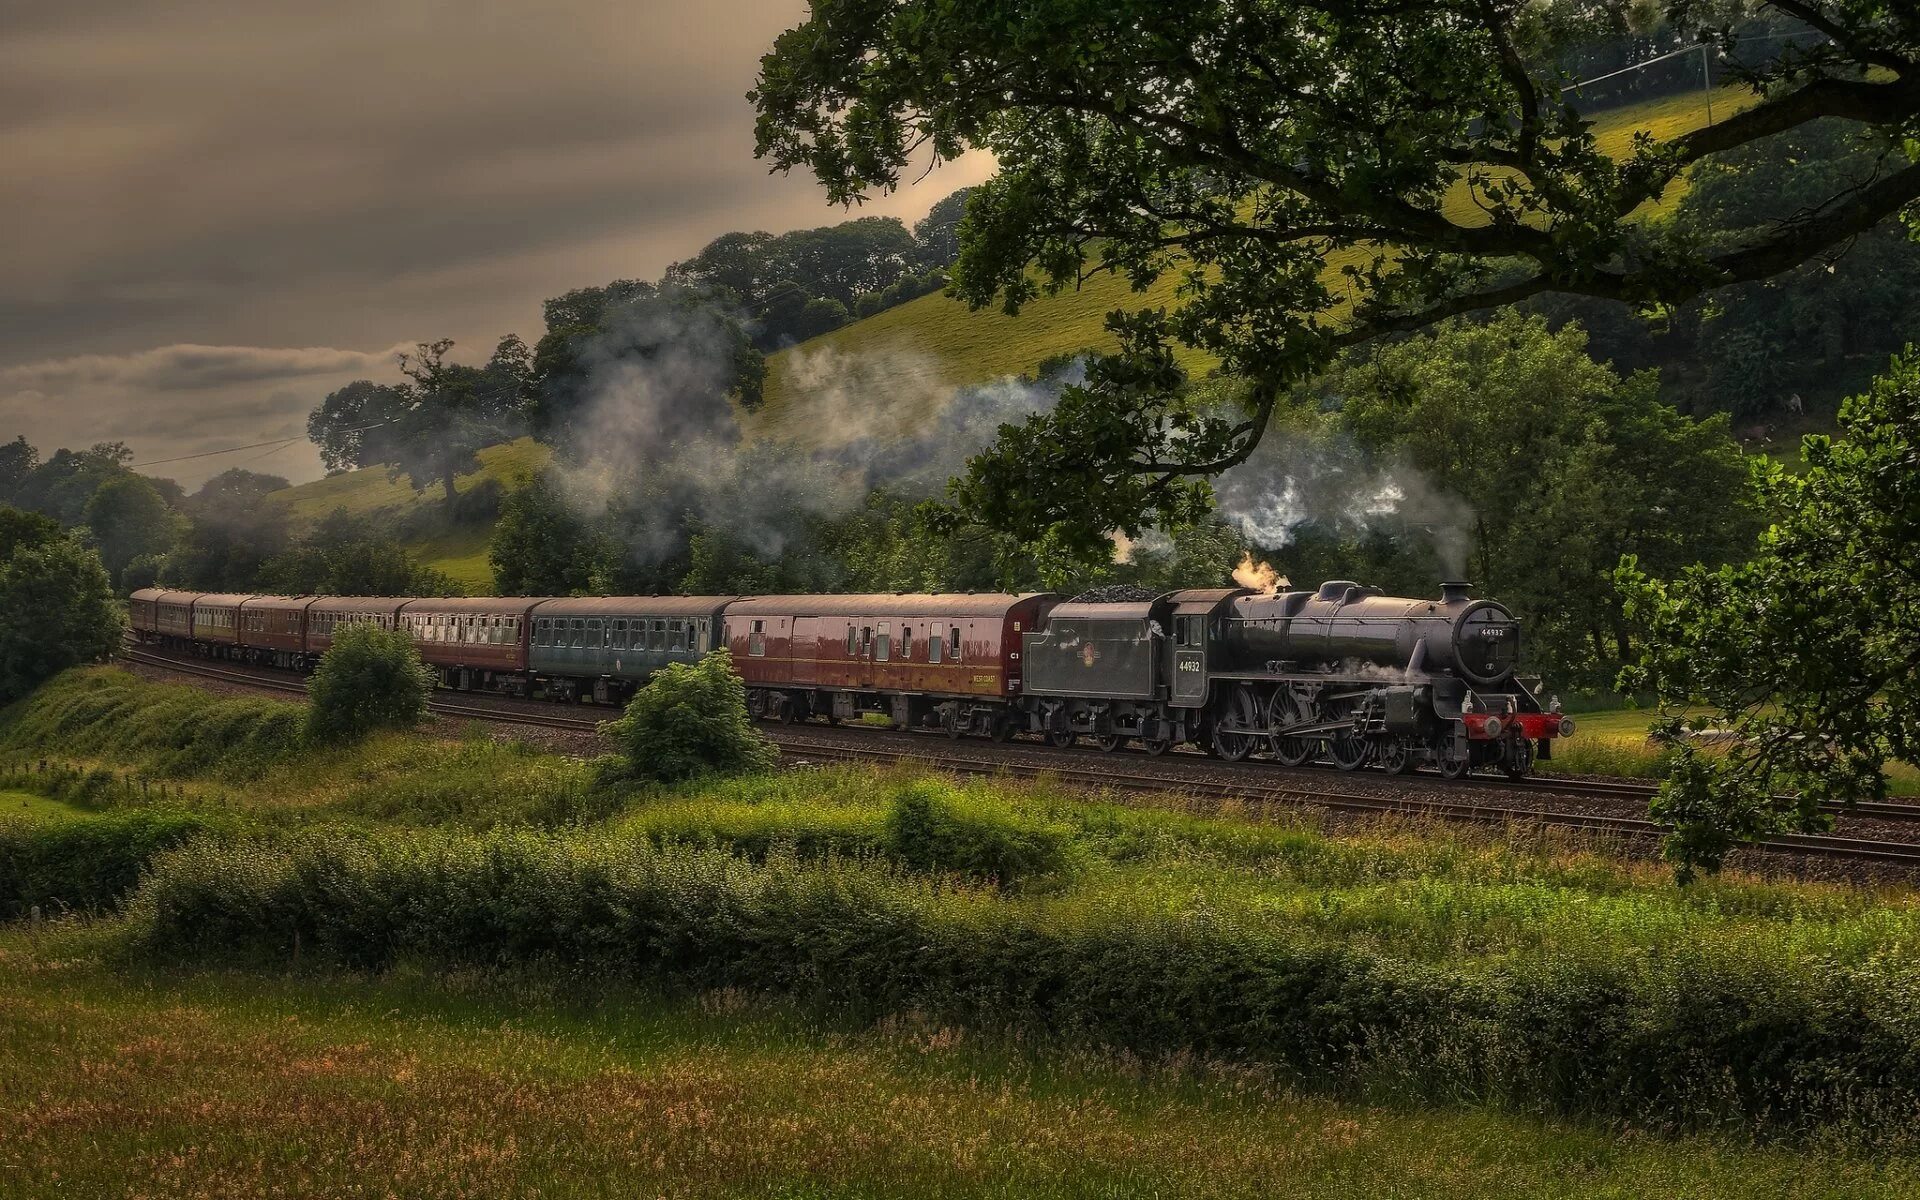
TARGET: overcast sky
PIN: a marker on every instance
(212, 212)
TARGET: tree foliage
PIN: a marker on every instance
(128, 519)
(541, 546)
(1240, 143)
(56, 604)
(346, 556)
(1808, 654)
(429, 427)
(689, 720)
(369, 679)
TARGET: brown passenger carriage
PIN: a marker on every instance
(470, 641)
(951, 659)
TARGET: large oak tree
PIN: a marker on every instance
(1240, 143)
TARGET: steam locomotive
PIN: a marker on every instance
(1341, 673)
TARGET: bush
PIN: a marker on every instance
(931, 827)
(88, 864)
(689, 721)
(56, 607)
(370, 678)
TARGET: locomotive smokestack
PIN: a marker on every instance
(1454, 591)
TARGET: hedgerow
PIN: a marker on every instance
(1699, 1035)
(89, 864)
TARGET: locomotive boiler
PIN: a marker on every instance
(1344, 625)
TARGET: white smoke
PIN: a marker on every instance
(656, 447)
(1322, 479)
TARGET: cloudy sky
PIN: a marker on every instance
(215, 211)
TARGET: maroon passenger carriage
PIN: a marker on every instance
(951, 661)
(473, 643)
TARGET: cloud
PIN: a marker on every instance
(193, 368)
(184, 400)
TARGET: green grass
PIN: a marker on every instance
(26, 806)
(1614, 742)
(913, 350)
(118, 1081)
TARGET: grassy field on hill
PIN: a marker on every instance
(490, 975)
(938, 337)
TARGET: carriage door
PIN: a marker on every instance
(805, 649)
(1190, 660)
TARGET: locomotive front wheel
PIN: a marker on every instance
(1110, 743)
(1397, 757)
(1060, 739)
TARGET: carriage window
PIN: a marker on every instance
(866, 641)
(906, 641)
(883, 645)
(543, 631)
(934, 645)
(659, 641)
(676, 635)
(953, 646)
(577, 632)
(595, 635)
(702, 645)
(757, 639)
(620, 633)
(853, 645)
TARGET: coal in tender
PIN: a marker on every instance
(1118, 593)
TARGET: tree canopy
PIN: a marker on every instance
(1807, 655)
(1241, 143)
(56, 604)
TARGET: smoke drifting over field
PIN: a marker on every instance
(657, 445)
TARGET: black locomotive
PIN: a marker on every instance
(1342, 673)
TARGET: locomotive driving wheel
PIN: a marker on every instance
(1289, 708)
(1240, 713)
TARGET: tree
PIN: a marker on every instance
(689, 720)
(56, 604)
(128, 519)
(1551, 466)
(232, 529)
(431, 427)
(627, 334)
(938, 233)
(345, 556)
(540, 545)
(1809, 653)
(369, 679)
(17, 461)
(62, 485)
(1239, 144)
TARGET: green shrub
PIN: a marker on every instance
(56, 605)
(689, 720)
(370, 678)
(88, 864)
(1695, 1035)
(932, 827)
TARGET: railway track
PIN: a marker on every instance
(1118, 779)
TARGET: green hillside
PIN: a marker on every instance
(938, 336)
(460, 550)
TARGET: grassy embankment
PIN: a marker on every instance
(850, 980)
